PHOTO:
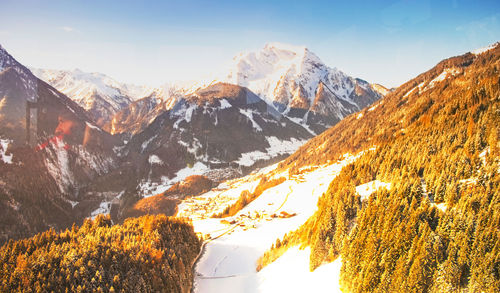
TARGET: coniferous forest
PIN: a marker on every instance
(440, 148)
(146, 254)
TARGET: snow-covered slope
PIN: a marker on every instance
(97, 93)
(300, 85)
(234, 244)
(221, 126)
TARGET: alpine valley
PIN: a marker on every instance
(284, 174)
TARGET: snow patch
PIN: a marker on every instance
(92, 126)
(4, 145)
(103, 209)
(442, 76)
(58, 165)
(290, 273)
(145, 144)
(441, 206)
(484, 49)
(148, 188)
(276, 147)
(224, 104)
(373, 108)
(154, 159)
(249, 114)
(365, 190)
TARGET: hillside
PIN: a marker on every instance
(221, 129)
(51, 149)
(147, 254)
(420, 213)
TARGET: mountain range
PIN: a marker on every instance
(398, 188)
(88, 130)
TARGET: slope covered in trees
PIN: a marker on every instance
(147, 254)
(436, 229)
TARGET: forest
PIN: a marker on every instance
(438, 146)
(146, 254)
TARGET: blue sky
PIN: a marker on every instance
(152, 42)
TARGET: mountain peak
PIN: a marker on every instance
(288, 77)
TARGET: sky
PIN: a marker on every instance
(155, 42)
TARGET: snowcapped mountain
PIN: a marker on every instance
(223, 126)
(139, 114)
(51, 151)
(97, 93)
(295, 81)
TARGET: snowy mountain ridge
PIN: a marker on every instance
(296, 82)
(277, 64)
(97, 93)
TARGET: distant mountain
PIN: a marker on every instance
(299, 85)
(139, 114)
(50, 150)
(97, 93)
(219, 128)
(382, 90)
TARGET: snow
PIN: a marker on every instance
(58, 166)
(229, 260)
(4, 145)
(189, 113)
(469, 181)
(441, 206)
(483, 155)
(302, 123)
(290, 273)
(197, 169)
(93, 126)
(145, 144)
(184, 112)
(103, 209)
(412, 90)
(249, 114)
(360, 115)
(154, 159)
(285, 73)
(373, 108)
(365, 190)
(73, 203)
(224, 104)
(148, 188)
(484, 49)
(276, 147)
(380, 89)
(442, 76)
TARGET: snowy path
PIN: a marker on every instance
(229, 259)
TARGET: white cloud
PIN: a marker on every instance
(67, 29)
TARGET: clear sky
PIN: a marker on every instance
(152, 42)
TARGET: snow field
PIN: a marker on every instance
(234, 244)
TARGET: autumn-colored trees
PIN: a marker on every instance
(407, 239)
(147, 254)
